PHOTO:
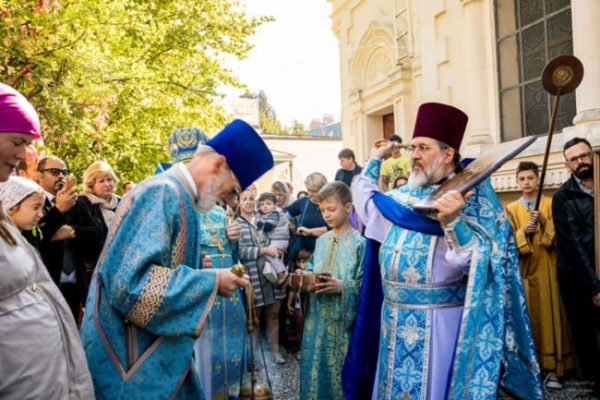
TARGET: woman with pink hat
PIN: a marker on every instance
(41, 352)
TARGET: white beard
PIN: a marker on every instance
(417, 179)
(208, 195)
(426, 177)
(205, 204)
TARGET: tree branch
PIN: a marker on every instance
(184, 87)
(48, 52)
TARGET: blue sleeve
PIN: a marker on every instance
(351, 285)
(295, 208)
(142, 267)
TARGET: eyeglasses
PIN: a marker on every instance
(582, 157)
(422, 148)
(57, 171)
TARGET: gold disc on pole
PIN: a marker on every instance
(562, 75)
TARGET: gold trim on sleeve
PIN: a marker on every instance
(152, 295)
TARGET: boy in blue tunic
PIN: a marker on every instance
(332, 307)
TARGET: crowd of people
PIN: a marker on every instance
(135, 296)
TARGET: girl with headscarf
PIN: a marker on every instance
(23, 201)
(282, 194)
(42, 356)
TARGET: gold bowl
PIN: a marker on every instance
(306, 282)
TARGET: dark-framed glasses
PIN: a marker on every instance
(587, 156)
(57, 171)
(422, 148)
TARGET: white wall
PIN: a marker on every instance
(311, 155)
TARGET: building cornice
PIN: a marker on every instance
(302, 137)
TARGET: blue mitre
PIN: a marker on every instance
(182, 145)
(247, 154)
(183, 142)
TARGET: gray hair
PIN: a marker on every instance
(205, 150)
(315, 181)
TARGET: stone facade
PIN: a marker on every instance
(397, 54)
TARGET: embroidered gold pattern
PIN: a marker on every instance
(215, 239)
(410, 334)
(405, 396)
(152, 295)
(179, 248)
(411, 275)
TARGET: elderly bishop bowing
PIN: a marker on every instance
(149, 297)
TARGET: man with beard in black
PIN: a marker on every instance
(573, 213)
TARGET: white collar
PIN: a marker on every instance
(49, 196)
(188, 178)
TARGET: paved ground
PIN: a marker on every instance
(284, 379)
(571, 390)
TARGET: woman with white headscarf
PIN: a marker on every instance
(42, 356)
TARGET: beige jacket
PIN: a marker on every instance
(40, 350)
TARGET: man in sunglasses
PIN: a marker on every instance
(60, 241)
(150, 295)
(573, 213)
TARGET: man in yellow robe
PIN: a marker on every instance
(534, 232)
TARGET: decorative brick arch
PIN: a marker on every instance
(374, 57)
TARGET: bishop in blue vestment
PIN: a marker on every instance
(149, 297)
(447, 300)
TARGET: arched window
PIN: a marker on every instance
(529, 33)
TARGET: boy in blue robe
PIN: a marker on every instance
(149, 296)
(332, 308)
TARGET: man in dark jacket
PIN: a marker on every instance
(63, 243)
(573, 213)
(349, 167)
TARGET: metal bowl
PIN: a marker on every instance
(306, 282)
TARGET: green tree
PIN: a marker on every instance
(112, 79)
(268, 117)
(298, 128)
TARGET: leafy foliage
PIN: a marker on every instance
(268, 117)
(298, 128)
(112, 79)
